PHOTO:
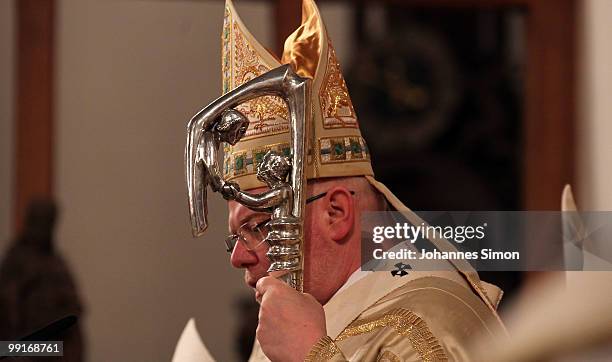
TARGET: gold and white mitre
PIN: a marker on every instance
(335, 146)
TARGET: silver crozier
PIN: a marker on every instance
(219, 122)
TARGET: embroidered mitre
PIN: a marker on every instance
(335, 145)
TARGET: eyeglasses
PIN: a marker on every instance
(253, 233)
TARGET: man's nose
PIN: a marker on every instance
(241, 257)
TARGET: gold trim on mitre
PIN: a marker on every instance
(244, 58)
(335, 145)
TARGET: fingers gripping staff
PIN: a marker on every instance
(290, 323)
(220, 122)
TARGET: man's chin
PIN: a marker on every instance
(251, 280)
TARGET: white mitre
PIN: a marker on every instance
(190, 347)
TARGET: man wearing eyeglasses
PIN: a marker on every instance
(344, 313)
(332, 255)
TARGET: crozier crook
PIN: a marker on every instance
(219, 122)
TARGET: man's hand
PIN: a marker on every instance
(290, 323)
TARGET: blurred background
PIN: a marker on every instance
(466, 105)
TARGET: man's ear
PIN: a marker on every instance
(340, 213)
